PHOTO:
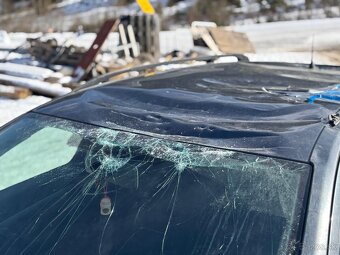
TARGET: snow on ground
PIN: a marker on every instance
(294, 35)
(77, 6)
(10, 109)
(320, 58)
(179, 39)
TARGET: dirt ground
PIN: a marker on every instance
(333, 57)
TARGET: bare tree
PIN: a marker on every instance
(7, 6)
(218, 11)
(41, 6)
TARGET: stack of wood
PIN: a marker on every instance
(220, 40)
(138, 34)
(145, 29)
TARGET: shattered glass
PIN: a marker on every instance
(126, 193)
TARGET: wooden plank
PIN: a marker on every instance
(14, 92)
(231, 41)
(39, 87)
(146, 29)
(134, 45)
(203, 33)
(87, 60)
(124, 41)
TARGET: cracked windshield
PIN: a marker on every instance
(81, 189)
(169, 127)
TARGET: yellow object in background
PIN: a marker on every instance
(146, 6)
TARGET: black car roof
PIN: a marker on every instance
(252, 107)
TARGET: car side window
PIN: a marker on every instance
(41, 152)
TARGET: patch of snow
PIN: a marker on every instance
(293, 35)
(180, 39)
(10, 109)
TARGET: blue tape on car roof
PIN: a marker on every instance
(333, 94)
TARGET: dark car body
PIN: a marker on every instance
(260, 109)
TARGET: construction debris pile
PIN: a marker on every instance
(51, 65)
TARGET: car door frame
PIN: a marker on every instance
(334, 236)
(324, 158)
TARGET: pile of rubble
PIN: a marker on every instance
(50, 67)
